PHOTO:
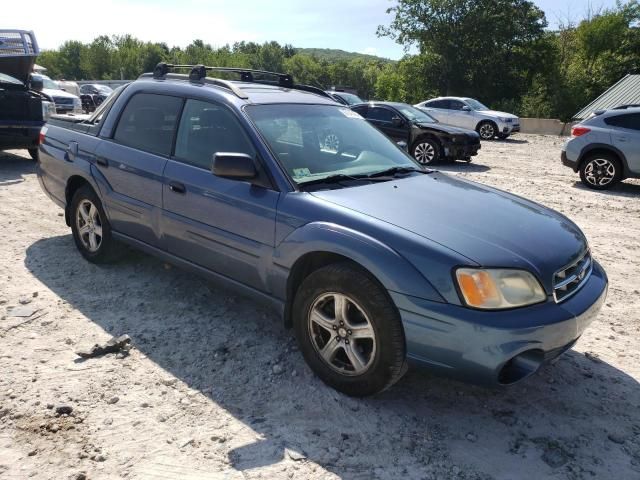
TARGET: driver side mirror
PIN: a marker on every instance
(239, 166)
(466, 108)
(396, 121)
(37, 84)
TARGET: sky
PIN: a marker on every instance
(344, 24)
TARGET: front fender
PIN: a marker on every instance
(392, 270)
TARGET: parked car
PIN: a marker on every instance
(469, 113)
(92, 95)
(372, 259)
(23, 107)
(65, 102)
(345, 98)
(428, 140)
(605, 148)
(69, 87)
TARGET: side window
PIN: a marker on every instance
(205, 129)
(455, 105)
(441, 104)
(148, 123)
(361, 110)
(630, 121)
(381, 114)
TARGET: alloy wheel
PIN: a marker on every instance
(424, 153)
(342, 334)
(89, 225)
(331, 142)
(487, 132)
(600, 172)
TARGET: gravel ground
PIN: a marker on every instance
(214, 387)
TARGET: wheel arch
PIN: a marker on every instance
(430, 136)
(74, 183)
(600, 148)
(486, 120)
(319, 244)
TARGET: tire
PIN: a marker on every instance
(34, 153)
(503, 136)
(371, 330)
(487, 130)
(601, 171)
(103, 248)
(426, 151)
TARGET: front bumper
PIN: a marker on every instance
(462, 151)
(480, 346)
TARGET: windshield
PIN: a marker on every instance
(476, 105)
(104, 89)
(4, 78)
(350, 98)
(313, 142)
(415, 115)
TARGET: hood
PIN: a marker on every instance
(18, 67)
(495, 113)
(441, 127)
(58, 93)
(489, 227)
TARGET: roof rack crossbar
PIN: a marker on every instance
(208, 80)
(198, 73)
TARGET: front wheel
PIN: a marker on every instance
(601, 171)
(90, 227)
(349, 331)
(487, 130)
(503, 136)
(426, 151)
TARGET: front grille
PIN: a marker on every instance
(63, 100)
(571, 278)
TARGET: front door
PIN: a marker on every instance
(132, 162)
(383, 118)
(459, 117)
(224, 225)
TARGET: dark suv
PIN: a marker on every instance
(372, 259)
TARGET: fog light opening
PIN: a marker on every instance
(520, 367)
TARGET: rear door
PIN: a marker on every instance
(131, 164)
(626, 137)
(438, 109)
(224, 225)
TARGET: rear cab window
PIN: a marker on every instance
(149, 122)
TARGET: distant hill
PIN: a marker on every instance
(333, 55)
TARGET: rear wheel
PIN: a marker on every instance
(426, 151)
(34, 154)
(90, 227)
(601, 171)
(349, 331)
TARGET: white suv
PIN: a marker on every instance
(469, 113)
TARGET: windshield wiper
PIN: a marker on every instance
(337, 178)
(396, 170)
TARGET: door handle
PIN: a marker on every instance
(102, 161)
(177, 187)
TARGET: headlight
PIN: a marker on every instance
(48, 109)
(495, 289)
(505, 120)
(77, 102)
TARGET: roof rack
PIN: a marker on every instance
(624, 107)
(198, 73)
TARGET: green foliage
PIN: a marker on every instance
(498, 51)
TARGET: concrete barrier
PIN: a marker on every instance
(545, 126)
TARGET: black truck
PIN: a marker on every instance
(23, 107)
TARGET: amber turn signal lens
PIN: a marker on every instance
(478, 288)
